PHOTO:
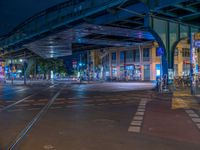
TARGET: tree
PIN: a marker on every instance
(48, 65)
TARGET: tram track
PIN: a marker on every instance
(17, 91)
(24, 99)
(52, 101)
(100, 100)
(19, 138)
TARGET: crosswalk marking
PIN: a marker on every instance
(136, 123)
(134, 129)
(138, 118)
(194, 116)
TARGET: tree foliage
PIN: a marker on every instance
(47, 65)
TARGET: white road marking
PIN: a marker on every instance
(194, 116)
(196, 120)
(19, 101)
(141, 109)
(139, 113)
(198, 125)
(14, 110)
(137, 121)
(190, 111)
(24, 131)
(134, 129)
(9, 106)
(138, 118)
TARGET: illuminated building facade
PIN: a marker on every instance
(132, 63)
(182, 58)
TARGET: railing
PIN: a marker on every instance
(55, 17)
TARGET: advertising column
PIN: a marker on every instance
(2, 71)
(195, 43)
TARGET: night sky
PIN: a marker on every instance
(14, 12)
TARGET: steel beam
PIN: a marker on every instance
(188, 8)
(139, 8)
(190, 16)
(165, 3)
(106, 42)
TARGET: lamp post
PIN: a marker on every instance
(24, 61)
(12, 77)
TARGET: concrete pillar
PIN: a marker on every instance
(141, 62)
(118, 63)
(110, 64)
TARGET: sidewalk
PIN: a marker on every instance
(174, 119)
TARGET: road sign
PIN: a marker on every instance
(197, 43)
(160, 51)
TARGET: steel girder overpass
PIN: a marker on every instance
(166, 21)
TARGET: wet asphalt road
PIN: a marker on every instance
(79, 117)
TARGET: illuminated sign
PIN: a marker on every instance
(158, 71)
(2, 69)
(159, 51)
(197, 43)
(197, 36)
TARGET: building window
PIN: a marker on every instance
(146, 54)
(122, 57)
(185, 52)
(129, 56)
(175, 69)
(158, 71)
(136, 55)
(176, 52)
(146, 72)
(114, 58)
(186, 69)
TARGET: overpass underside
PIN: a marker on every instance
(88, 37)
(85, 25)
